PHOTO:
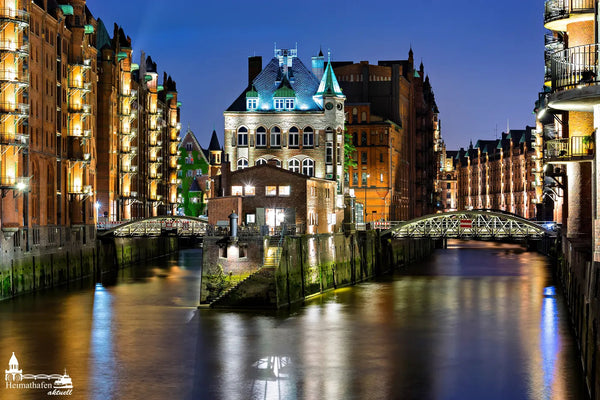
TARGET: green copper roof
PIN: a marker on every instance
(417, 74)
(66, 9)
(329, 84)
(89, 29)
(135, 67)
(169, 96)
(160, 88)
(147, 78)
(178, 104)
(284, 89)
(252, 92)
(121, 56)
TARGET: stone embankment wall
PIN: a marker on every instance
(580, 278)
(24, 271)
(312, 264)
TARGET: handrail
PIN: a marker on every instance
(575, 67)
(559, 9)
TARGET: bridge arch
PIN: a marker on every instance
(155, 226)
(473, 224)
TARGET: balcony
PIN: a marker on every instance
(573, 149)
(559, 13)
(13, 47)
(84, 109)
(17, 109)
(575, 80)
(13, 77)
(11, 182)
(83, 86)
(14, 139)
(12, 15)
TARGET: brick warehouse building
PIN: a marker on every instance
(391, 104)
(495, 174)
(291, 115)
(272, 196)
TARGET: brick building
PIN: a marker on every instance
(272, 196)
(496, 174)
(394, 105)
(291, 115)
(193, 176)
(138, 131)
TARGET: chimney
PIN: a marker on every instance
(254, 68)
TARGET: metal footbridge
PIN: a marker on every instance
(156, 226)
(473, 224)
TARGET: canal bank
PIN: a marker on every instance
(243, 274)
(78, 254)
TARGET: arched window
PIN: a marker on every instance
(275, 137)
(242, 136)
(260, 161)
(261, 137)
(277, 162)
(308, 167)
(242, 163)
(294, 165)
(293, 137)
(308, 137)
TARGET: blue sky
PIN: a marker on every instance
(484, 58)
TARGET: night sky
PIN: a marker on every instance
(484, 58)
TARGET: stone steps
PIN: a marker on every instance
(254, 281)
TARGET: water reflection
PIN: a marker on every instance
(480, 322)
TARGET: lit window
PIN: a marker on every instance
(294, 165)
(242, 136)
(279, 104)
(275, 136)
(242, 163)
(250, 218)
(271, 191)
(293, 137)
(252, 103)
(249, 190)
(236, 190)
(284, 190)
(261, 137)
(308, 167)
(380, 177)
(308, 138)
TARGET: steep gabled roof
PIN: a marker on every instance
(214, 142)
(329, 84)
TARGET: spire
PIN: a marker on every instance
(329, 83)
(214, 142)
(320, 51)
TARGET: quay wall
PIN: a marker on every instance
(58, 257)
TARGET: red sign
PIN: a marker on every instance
(466, 223)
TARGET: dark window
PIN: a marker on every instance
(363, 138)
(363, 157)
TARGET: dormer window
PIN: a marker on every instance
(289, 104)
(284, 104)
(279, 104)
(252, 103)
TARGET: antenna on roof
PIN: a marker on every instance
(296, 47)
(275, 48)
(328, 55)
(507, 126)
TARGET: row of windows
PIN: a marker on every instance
(249, 190)
(308, 137)
(280, 103)
(294, 165)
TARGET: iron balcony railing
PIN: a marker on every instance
(559, 9)
(13, 182)
(575, 147)
(13, 14)
(14, 47)
(14, 139)
(575, 67)
(13, 76)
(14, 108)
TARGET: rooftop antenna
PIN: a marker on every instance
(496, 131)
(275, 48)
(328, 55)
(507, 126)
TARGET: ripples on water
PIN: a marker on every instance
(476, 321)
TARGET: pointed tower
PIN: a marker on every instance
(215, 151)
(318, 65)
(13, 370)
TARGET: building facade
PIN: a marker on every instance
(194, 182)
(138, 132)
(399, 94)
(495, 174)
(290, 115)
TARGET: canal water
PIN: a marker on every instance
(475, 321)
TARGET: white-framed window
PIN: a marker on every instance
(308, 167)
(279, 103)
(250, 218)
(329, 153)
(271, 191)
(261, 137)
(278, 162)
(294, 165)
(293, 137)
(284, 190)
(289, 104)
(236, 190)
(252, 103)
(260, 161)
(242, 163)
(308, 137)
(275, 137)
(190, 172)
(242, 136)
(249, 190)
